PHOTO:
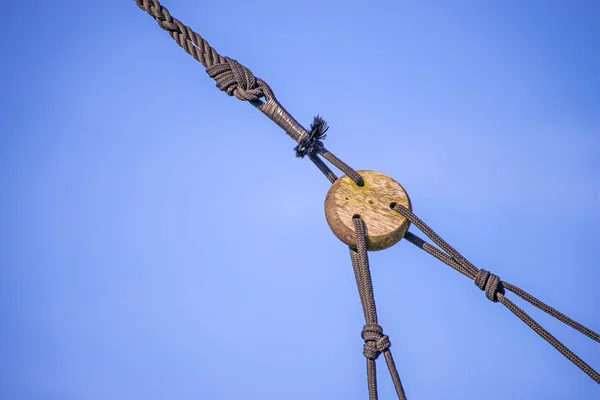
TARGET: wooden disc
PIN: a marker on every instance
(385, 227)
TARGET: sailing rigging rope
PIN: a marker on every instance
(375, 341)
(238, 81)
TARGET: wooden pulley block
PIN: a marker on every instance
(373, 203)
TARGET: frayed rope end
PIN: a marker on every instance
(312, 142)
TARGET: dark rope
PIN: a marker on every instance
(311, 144)
(376, 342)
(323, 168)
(434, 251)
(551, 311)
(342, 166)
(231, 76)
(185, 37)
(495, 288)
(236, 80)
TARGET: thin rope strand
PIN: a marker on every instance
(494, 288)
(375, 341)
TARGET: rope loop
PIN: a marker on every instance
(489, 282)
(235, 80)
(375, 341)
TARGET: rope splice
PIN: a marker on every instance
(238, 81)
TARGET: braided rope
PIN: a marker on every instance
(190, 41)
(495, 288)
(236, 80)
(232, 77)
(376, 342)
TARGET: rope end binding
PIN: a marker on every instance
(312, 143)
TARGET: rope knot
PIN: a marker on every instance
(375, 341)
(311, 144)
(235, 80)
(490, 283)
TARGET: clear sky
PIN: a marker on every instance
(159, 240)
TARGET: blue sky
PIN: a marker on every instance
(159, 240)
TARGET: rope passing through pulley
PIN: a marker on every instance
(366, 210)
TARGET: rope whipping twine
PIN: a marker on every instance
(238, 81)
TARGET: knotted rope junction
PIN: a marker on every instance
(236, 80)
